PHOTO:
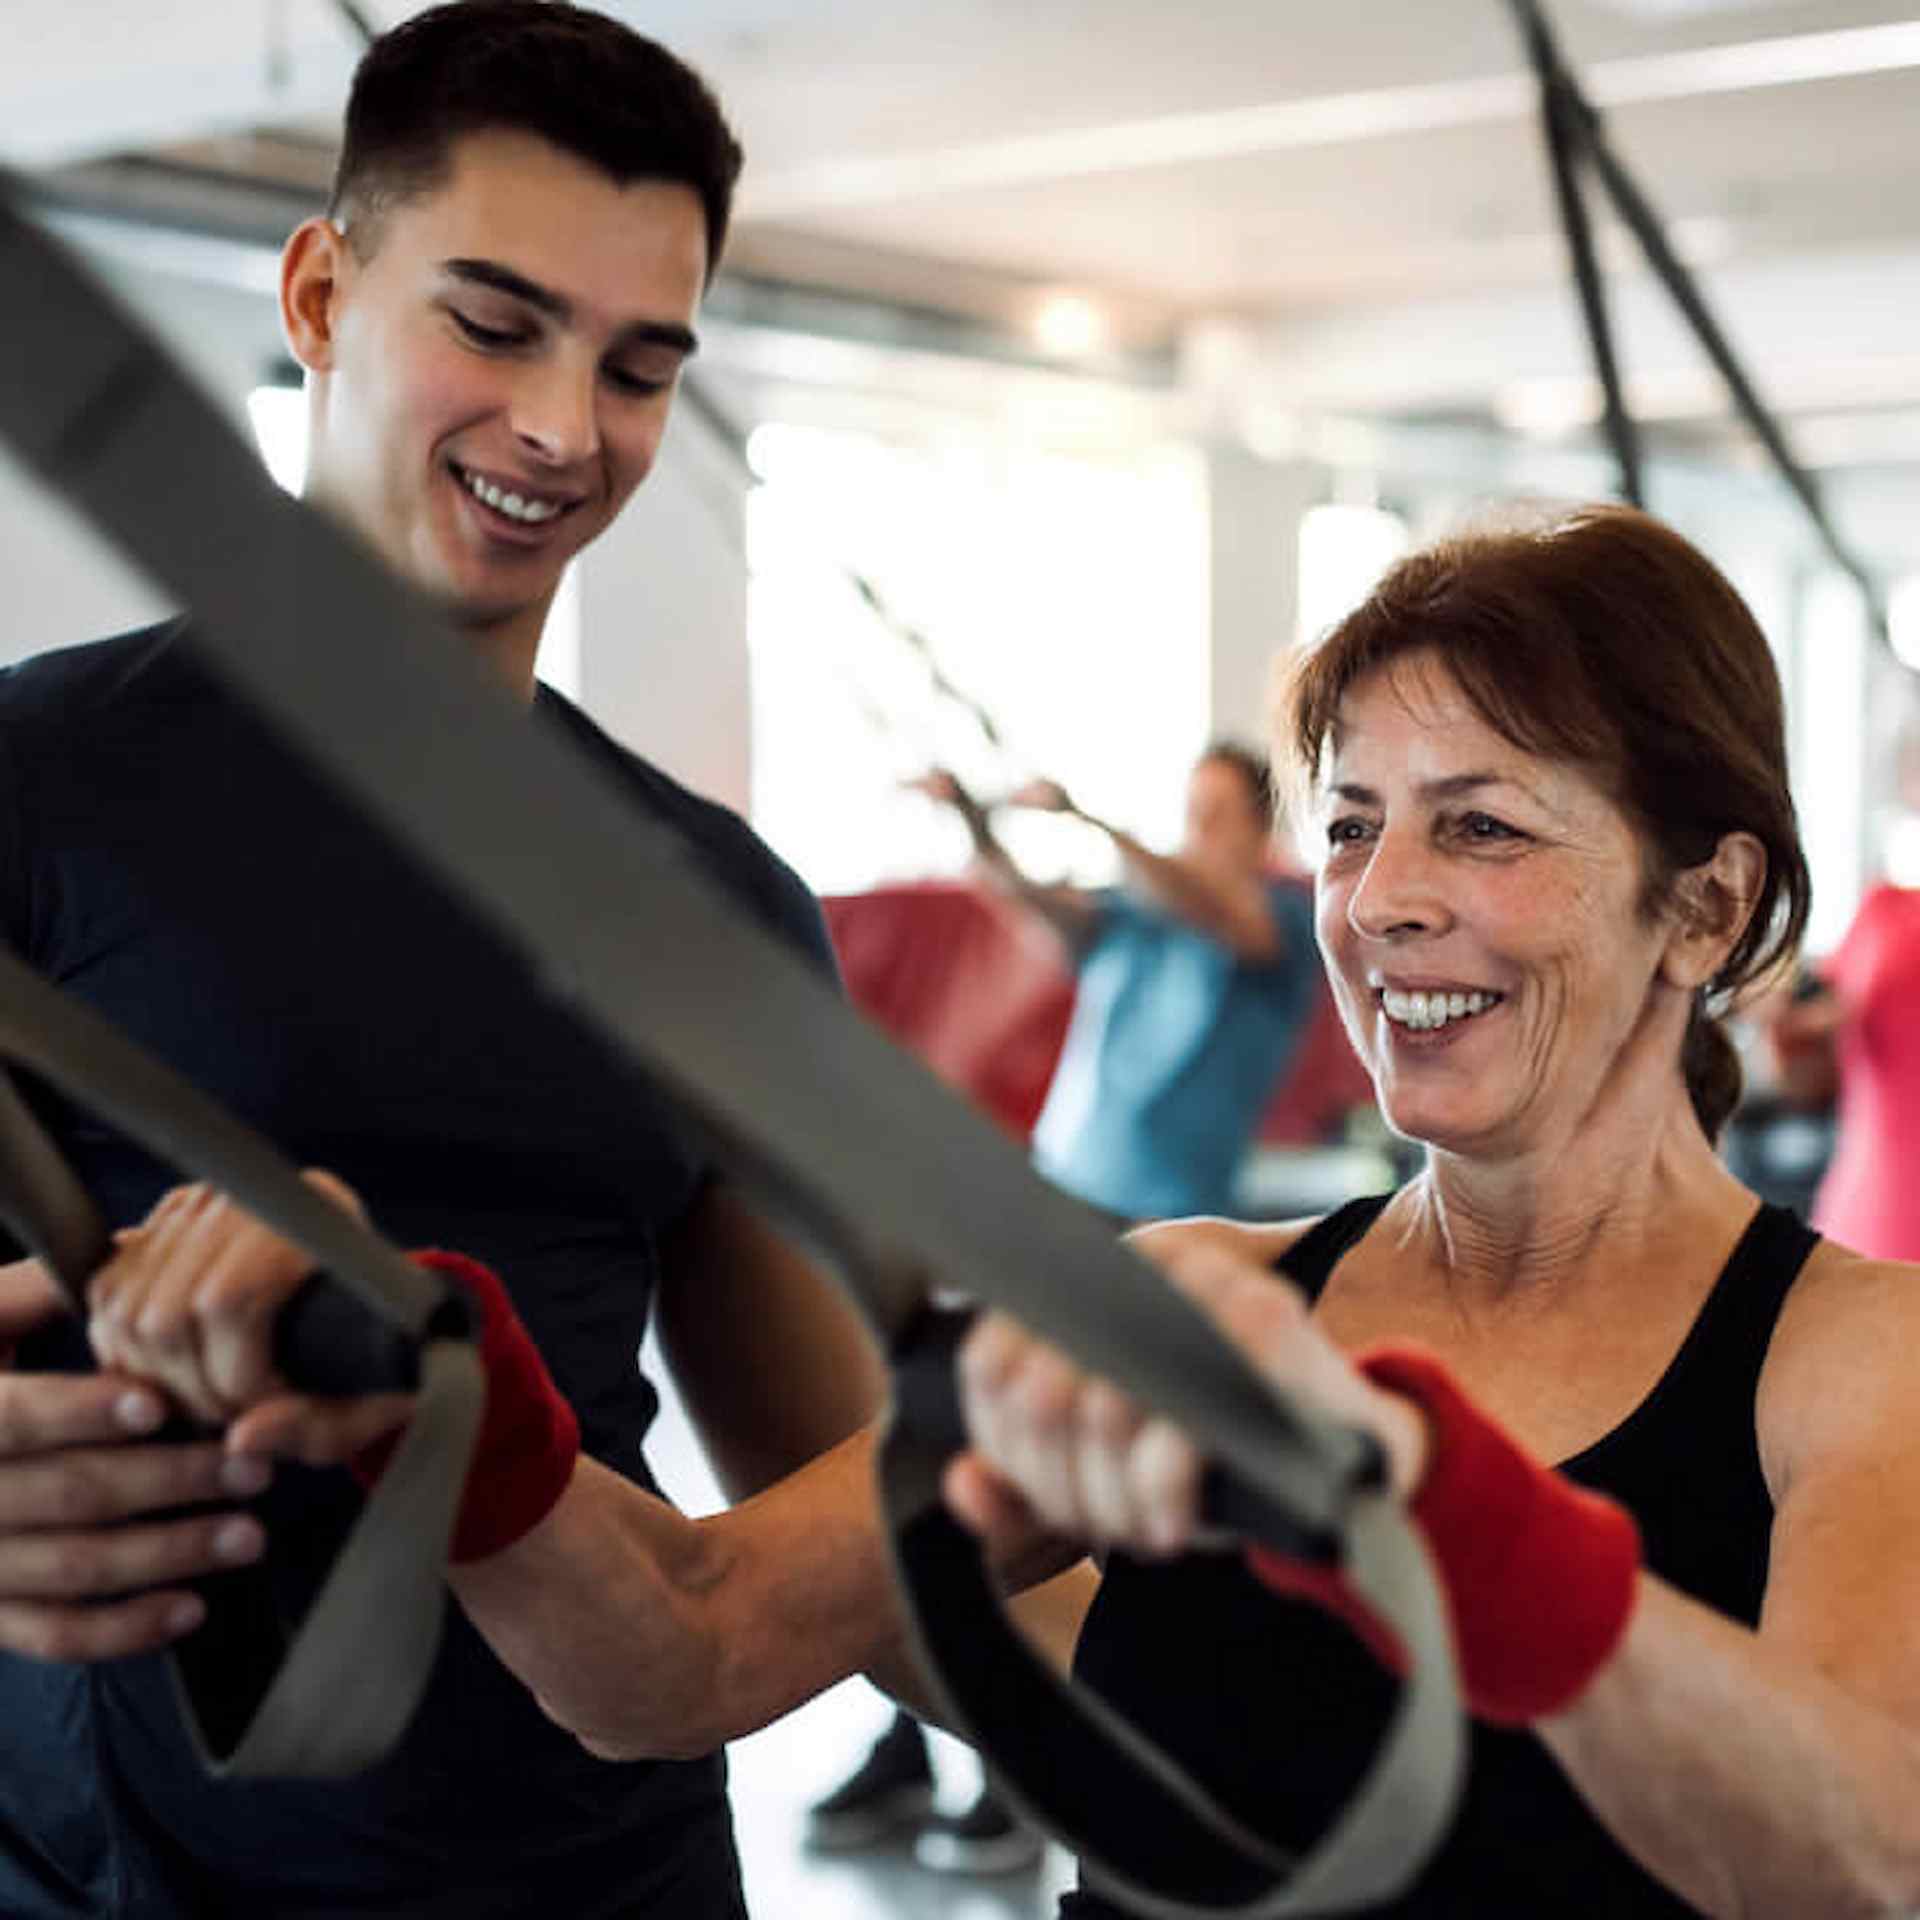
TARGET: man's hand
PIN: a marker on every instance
(189, 1300)
(86, 1570)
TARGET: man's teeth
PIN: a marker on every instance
(1425, 1011)
(532, 512)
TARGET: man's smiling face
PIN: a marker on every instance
(494, 366)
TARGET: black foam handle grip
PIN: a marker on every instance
(327, 1340)
(926, 1393)
(926, 1378)
(1229, 1505)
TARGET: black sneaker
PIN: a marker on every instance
(892, 1788)
(984, 1839)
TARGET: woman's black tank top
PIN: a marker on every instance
(1277, 1708)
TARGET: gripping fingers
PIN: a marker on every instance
(110, 1562)
(140, 1301)
(42, 1412)
(1163, 1476)
(318, 1432)
(45, 1630)
(1020, 1397)
(103, 1486)
(189, 1300)
(1108, 1427)
(49, 1630)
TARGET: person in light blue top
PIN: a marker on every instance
(1196, 982)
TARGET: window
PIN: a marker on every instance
(1064, 592)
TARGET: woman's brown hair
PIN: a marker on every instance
(1605, 639)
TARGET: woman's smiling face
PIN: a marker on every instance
(1482, 912)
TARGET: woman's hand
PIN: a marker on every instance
(188, 1301)
(1054, 1446)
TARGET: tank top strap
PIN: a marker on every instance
(1736, 1325)
(1310, 1261)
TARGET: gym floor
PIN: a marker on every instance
(778, 1771)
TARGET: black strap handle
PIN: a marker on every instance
(1085, 1774)
(330, 1694)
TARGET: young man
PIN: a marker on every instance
(529, 205)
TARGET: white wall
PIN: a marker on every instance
(1254, 509)
(663, 619)
(59, 582)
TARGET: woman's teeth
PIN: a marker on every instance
(513, 505)
(1425, 1011)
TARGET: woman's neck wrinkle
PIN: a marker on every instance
(1497, 1235)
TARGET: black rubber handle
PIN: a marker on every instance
(927, 1400)
(1229, 1505)
(327, 1340)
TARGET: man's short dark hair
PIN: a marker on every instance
(1253, 768)
(586, 83)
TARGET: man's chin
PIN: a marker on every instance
(474, 614)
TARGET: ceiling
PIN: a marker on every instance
(1344, 206)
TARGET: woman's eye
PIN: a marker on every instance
(1347, 831)
(1483, 826)
(485, 336)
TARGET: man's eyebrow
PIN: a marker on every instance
(503, 279)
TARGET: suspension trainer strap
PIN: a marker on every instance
(858, 1147)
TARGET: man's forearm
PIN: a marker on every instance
(647, 1634)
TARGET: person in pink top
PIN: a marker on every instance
(1853, 1039)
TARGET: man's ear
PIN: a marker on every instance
(313, 265)
(1712, 904)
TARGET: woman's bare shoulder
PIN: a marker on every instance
(1844, 1361)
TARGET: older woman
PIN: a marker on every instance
(1559, 841)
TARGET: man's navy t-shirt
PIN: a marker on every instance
(165, 859)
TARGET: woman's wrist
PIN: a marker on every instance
(1406, 1437)
(1540, 1575)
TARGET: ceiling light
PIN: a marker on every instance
(1068, 327)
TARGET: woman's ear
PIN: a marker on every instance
(312, 266)
(1713, 903)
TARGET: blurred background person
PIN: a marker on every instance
(1196, 978)
(1845, 1038)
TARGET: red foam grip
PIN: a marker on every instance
(529, 1436)
(1539, 1574)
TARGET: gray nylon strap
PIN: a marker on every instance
(857, 1145)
